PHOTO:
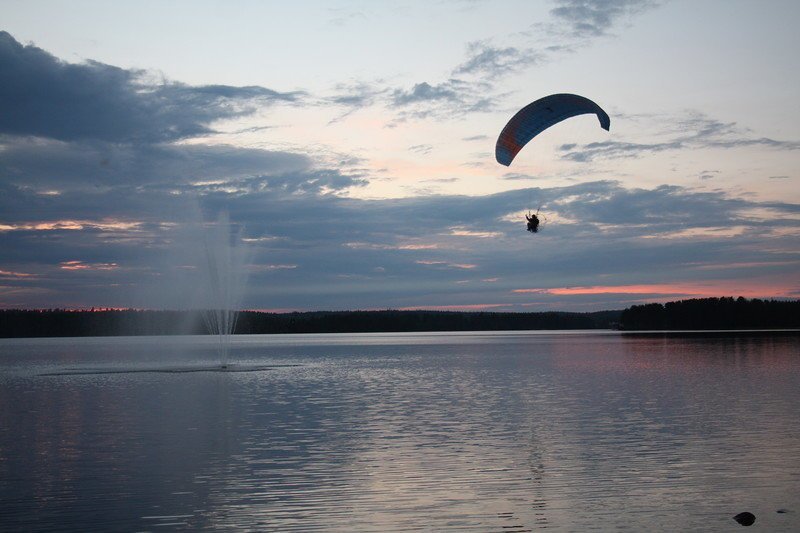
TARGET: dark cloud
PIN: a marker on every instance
(476, 138)
(50, 164)
(43, 96)
(452, 98)
(422, 149)
(356, 95)
(90, 129)
(695, 132)
(760, 141)
(515, 176)
(663, 210)
(93, 214)
(472, 86)
(488, 62)
(614, 150)
(348, 252)
(596, 18)
(491, 61)
(425, 92)
(708, 174)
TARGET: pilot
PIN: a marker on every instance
(533, 222)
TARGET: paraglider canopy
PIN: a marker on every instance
(536, 117)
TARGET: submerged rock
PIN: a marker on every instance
(745, 518)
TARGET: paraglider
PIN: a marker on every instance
(536, 117)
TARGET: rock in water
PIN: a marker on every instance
(745, 518)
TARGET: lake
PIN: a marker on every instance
(475, 431)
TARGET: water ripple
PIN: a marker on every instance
(463, 432)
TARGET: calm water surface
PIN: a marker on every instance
(392, 432)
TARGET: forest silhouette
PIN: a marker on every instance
(696, 314)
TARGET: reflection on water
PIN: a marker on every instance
(481, 432)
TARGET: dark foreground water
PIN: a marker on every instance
(466, 431)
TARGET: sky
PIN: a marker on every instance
(351, 146)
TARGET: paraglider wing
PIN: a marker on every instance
(534, 118)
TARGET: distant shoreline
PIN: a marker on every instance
(700, 316)
(64, 323)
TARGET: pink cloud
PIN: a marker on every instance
(463, 266)
(11, 274)
(464, 307)
(73, 225)
(80, 265)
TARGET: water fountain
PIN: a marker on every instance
(210, 261)
(224, 282)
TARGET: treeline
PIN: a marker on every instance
(713, 313)
(398, 321)
(706, 313)
(69, 323)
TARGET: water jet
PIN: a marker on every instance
(224, 282)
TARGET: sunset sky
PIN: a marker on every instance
(352, 145)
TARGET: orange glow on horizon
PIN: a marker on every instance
(708, 289)
(276, 310)
(465, 307)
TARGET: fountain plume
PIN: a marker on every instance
(225, 258)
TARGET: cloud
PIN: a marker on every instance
(57, 225)
(472, 86)
(491, 61)
(614, 150)
(425, 92)
(43, 96)
(7, 274)
(95, 217)
(444, 264)
(476, 138)
(51, 164)
(462, 307)
(708, 174)
(80, 265)
(404, 252)
(399, 246)
(669, 291)
(269, 267)
(355, 96)
(441, 180)
(462, 232)
(454, 97)
(596, 18)
(422, 149)
(703, 132)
